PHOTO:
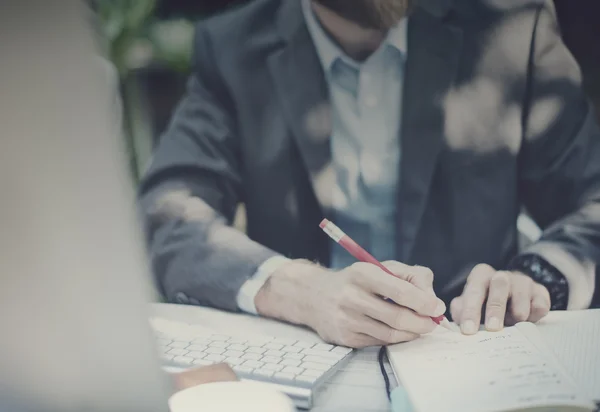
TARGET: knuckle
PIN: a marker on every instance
(359, 267)
(495, 305)
(399, 295)
(399, 319)
(482, 268)
(424, 272)
(347, 296)
(520, 314)
(429, 305)
(500, 279)
(471, 311)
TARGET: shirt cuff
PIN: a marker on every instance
(579, 274)
(249, 290)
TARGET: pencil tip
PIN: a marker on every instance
(447, 325)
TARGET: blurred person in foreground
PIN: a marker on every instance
(420, 127)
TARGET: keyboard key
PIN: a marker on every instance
(201, 341)
(273, 367)
(218, 344)
(242, 369)
(323, 346)
(233, 354)
(253, 364)
(290, 362)
(313, 365)
(251, 356)
(291, 369)
(177, 352)
(285, 377)
(298, 356)
(167, 357)
(313, 373)
(320, 359)
(215, 358)
(196, 348)
(271, 345)
(234, 361)
(203, 362)
(312, 352)
(237, 341)
(196, 354)
(304, 345)
(222, 338)
(304, 380)
(341, 350)
(215, 351)
(263, 373)
(183, 360)
(255, 349)
(179, 344)
(291, 349)
(277, 353)
(237, 346)
(271, 359)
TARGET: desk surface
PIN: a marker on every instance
(358, 387)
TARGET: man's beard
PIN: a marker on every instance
(370, 14)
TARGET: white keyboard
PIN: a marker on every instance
(296, 367)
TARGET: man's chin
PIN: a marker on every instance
(369, 14)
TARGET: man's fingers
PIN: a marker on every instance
(540, 303)
(394, 316)
(520, 299)
(376, 281)
(473, 297)
(361, 340)
(456, 307)
(383, 332)
(498, 293)
(419, 276)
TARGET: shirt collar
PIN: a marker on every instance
(329, 52)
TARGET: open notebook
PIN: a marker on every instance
(505, 371)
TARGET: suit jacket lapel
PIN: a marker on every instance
(433, 56)
(304, 97)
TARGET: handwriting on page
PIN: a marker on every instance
(501, 369)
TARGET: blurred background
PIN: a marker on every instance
(149, 42)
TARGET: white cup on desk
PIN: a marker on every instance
(230, 397)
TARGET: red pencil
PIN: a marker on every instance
(362, 255)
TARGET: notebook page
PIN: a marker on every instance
(574, 337)
(483, 373)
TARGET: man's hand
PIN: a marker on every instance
(346, 307)
(509, 297)
(207, 374)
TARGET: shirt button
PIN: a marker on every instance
(182, 298)
(371, 101)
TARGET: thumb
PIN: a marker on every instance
(419, 276)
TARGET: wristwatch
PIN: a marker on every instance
(545, 274)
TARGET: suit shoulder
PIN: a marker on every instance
(494, 9)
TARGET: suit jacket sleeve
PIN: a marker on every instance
(191, 192)
(560, 161)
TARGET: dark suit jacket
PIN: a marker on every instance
(493, 119)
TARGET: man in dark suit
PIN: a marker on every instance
(421, 129)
